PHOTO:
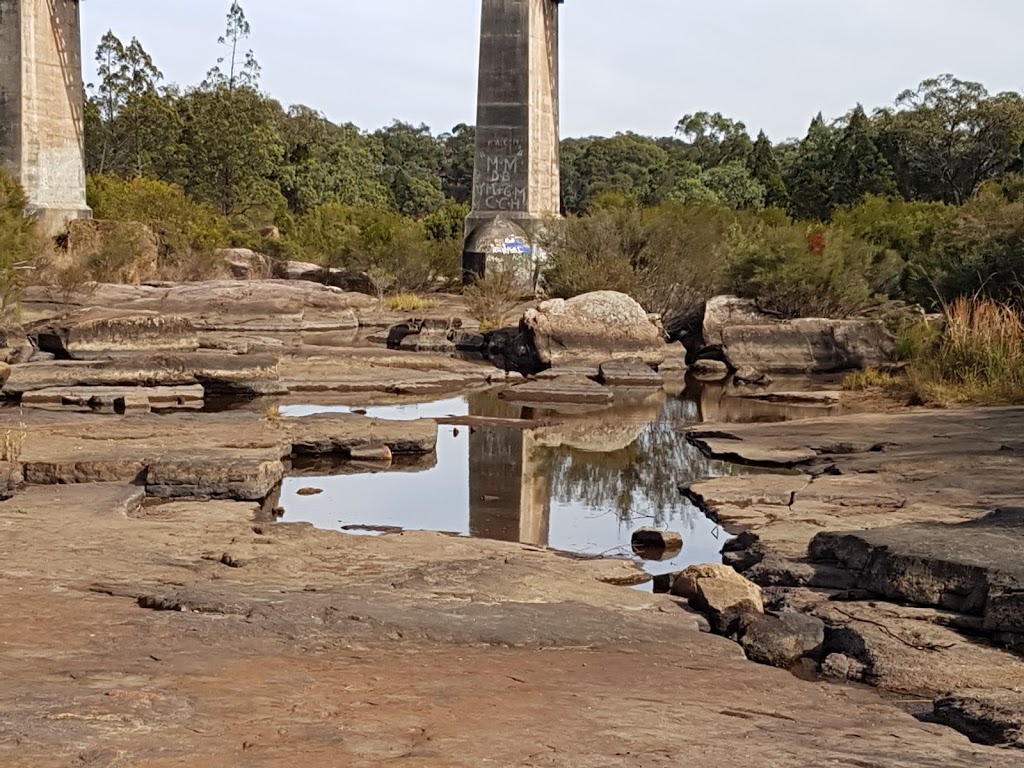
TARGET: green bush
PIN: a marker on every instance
(667, 258)
(187, 232)
(799, 273)
(359, 238)
(19, 242)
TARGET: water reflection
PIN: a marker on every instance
(580, 483)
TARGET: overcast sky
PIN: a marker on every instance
(627, 65)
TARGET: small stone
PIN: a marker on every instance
(309, 491)
(783, 639)
(748, 376)
(654, 544)
(709, 369)
(371, 453)
(838, 666)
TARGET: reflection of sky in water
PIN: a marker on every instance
(592, 499)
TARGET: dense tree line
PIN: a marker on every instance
(226, 143)
(921, 200)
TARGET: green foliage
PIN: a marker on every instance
(799, 273)
(667, 258)
(859, 168)
(765, 169)
(809, 177)
(715, 139)
(18, 240)
(734, 186)
(360, 238)
(233, 149)
(181, 225)
(948, 136)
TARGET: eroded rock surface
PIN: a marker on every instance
(902, 532)
(188, 633)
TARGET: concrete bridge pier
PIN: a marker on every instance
(516, 184)
(42, 141)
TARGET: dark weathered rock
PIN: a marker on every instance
(781, 639)
(986, 717)
(512, 350)
(972, 568)
(656, 544)
(751, 377)
(629, 373)
(594, 327)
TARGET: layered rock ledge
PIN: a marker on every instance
(903, 532)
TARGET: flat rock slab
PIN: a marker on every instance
(217, 373)
(973, 568)
(98, 333)
(179, 635)
(630, 374)
(562, 389)
(235, 455)
(115, 399)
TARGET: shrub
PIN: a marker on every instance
(491, 300)
(358, 238)
(978, 357)
(187, 232)
(870, 378)
(19, 243)
(667, 258)
(409, 302)
(796, 273)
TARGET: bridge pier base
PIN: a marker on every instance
(42, 142)
(516, 174)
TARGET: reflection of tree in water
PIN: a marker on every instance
(640, 481)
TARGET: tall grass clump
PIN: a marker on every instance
(977, 358)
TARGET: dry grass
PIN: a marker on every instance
(491, 300)
(410, 302)
(870, 378)
(978, 357)
(13, 443)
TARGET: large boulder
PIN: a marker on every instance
(595, 327)
(736, 331)
(721, 593)
(245, 264)
(782, 639)
(15, 346)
